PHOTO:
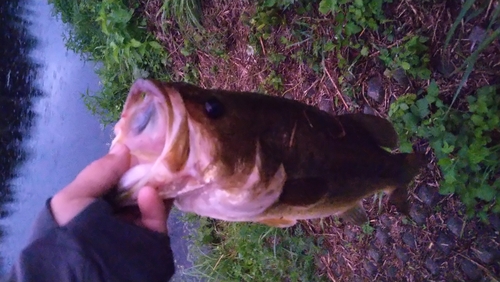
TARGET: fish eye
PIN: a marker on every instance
(214, 108)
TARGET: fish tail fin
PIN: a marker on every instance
(411, 164)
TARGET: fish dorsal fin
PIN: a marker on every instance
(379, 128)
(355, 215)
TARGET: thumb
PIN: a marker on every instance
(101, 175)
(153, 210)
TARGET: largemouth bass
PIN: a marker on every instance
(240, 156)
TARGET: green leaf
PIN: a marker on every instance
(269, 3)
(496, 208)
(405, 65)
(327, 6)
(134, 43)
(155, 45)
(445, 162)
(352, 28)
(433, 89)
(446, 189)
(405, 147)
(358, 3)
(329, 46)
(423, 107)
(447, 148)
(121, 16)
(477, 120)
(485, 192)
(364, 51)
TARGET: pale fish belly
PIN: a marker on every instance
(245, 203)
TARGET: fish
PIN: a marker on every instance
(251, 157)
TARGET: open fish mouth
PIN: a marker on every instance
(153, 126)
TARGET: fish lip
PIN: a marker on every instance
(141, 85)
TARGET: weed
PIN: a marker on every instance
(274, 81)
(107, 32)
(367, 228)
(411, 56)
(472, 59)
(354, 16)
(187, 13)
(253, 252)
(465, 143)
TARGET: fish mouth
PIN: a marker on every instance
(153, 125)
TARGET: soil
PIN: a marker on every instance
(437, 242)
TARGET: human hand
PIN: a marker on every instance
(98, 178)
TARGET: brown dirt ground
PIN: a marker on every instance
(416, 249)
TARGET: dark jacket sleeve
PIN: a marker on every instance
(94, 246)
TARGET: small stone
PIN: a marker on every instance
(311, 92)
(382, 236)
(445, 243)
(484, 255)
(374, 254)
(400, 76)
(288, 96)
(487, 249)
(470, 269)
(418, 214)
(370, 268)
(326, 105)
(374, 88)
(432, 266)
(409, 240)
(494, 221)
(455, 225)
(402, 254)
(348, 76)
(392, 272)
(350, 235)
(445, 67)
(335, 268)
(428, 195)
(357, 278)
(476, 36)
(367, 110)
(340, 259)
(386, 220)
(250, 50)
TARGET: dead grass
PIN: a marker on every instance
(237, 67)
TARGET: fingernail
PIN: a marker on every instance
(118, 149)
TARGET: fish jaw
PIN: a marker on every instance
(219, 199)
(161, 155)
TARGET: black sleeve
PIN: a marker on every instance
(94, 246)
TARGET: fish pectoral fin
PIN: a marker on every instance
(303, 191)
(355, 215)
(278, 222)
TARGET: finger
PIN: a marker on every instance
(153, 212)
(101, 175)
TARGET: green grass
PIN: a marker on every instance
(467, 153)
(253, 252)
